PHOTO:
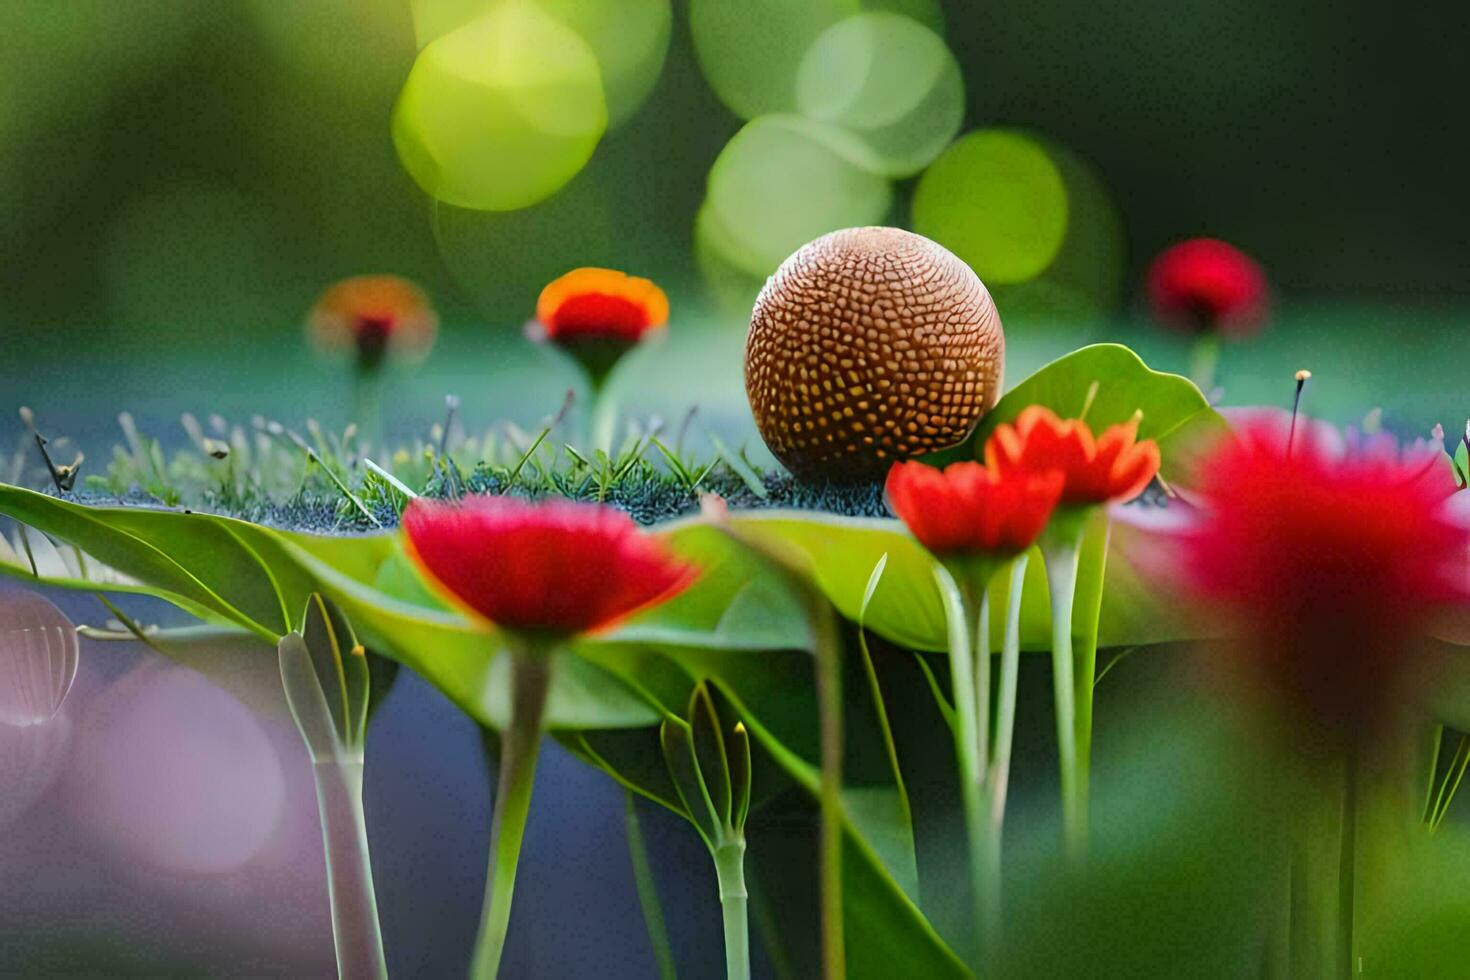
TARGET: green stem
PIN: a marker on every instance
(1086, 613)
(1061, 579)
(1346, 869)
(355, 932)
(961, 668)
(1278, 939)
(604, 420)
(1203, 361)
(653, 913)
(367, 405)
(829, 709)
(1010, 673)
(519, 745)
(730, 870)
(979, 597)
(1316, 885)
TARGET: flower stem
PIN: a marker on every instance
(979, 602)
(1346, 869)
(367, 404)
(355, 932)
(730, 870)
(519, 745)
(1203, 361)
(1061, 579)
(1010, 673)
(1086, 614)
(604, 421)
(961, 668)
(653, 913)
(829, 709)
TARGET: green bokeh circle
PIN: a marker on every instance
(630, 39)
(995, 199)
(749, 50)
(501, 112)
(889, 80)
(1086, 279)
(784, 180)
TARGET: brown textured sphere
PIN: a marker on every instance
(867, 346)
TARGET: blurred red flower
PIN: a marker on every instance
(1112, 468)
(1204, 285)
(603, 304)
(554, 566)
(372, 315)
(1330, 566)
(967, 508)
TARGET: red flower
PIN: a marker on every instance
(372, 315)
(1114, 467)
(1331, 565)
(556, 566)
(967, 508)
(601, 304)
(1204, 285)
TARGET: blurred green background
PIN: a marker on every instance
(181, 179)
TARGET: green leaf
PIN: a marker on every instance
(128, 540)
(233, 572)
(735, 604)
(1176, 414)
(905, 607)
(341, 668)
(841, 553)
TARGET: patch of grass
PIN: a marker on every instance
(311, 479)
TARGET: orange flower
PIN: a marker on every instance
(968, 509)
(373, 315)
(603, 304)
(1114, 467)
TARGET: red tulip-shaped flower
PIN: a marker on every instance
(969, 509)
(1331, 566)
(1114, 467)
(1204, 285)
(542, 573)
(975, 518)
(552, 567)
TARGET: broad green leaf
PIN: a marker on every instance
(735, 604)
(127, 539)
(905, 607)
(842, 552)
(228, 571)
(1176, 414)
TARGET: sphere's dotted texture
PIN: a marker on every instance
(867, 346)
